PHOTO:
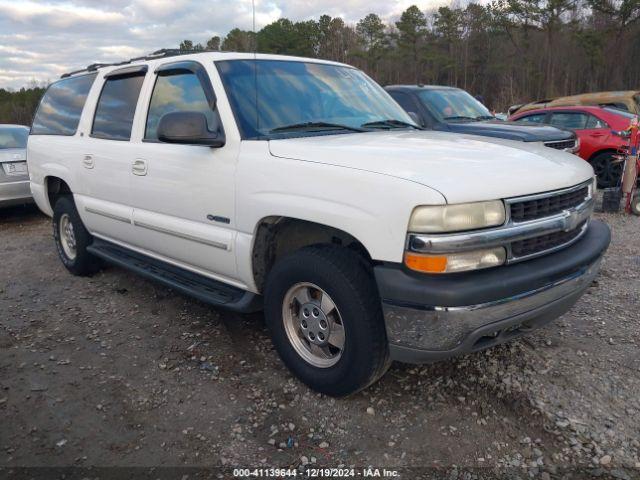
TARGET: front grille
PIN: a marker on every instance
(561, 145)
(544, 207)
(531, 246)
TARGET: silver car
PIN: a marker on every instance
(14, 177)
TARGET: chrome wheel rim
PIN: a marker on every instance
(67, 237)
(313, 325)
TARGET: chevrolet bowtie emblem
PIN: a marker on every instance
(571, 220)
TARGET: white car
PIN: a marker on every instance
(299, 186)
(14, 177)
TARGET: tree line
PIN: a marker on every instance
(19, 106)
(508, 51)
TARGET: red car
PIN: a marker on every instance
(594, 127)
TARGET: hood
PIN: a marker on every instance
(13, 154)
(512, 131)
(462, 168)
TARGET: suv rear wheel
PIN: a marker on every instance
(72, 238)
(325, 318)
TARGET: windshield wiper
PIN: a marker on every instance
(485, 117)
(315, 126)
(389, 123)
(460, 117)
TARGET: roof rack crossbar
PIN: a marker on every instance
(162, 53)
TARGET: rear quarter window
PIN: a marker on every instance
(61, 106)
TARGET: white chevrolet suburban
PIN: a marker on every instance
(300, 187)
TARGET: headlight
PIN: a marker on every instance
(576, 148)
(455, 262)
(456, 218)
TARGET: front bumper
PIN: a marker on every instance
(15, 193)
(431, 317)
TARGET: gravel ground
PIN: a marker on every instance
(114, 370)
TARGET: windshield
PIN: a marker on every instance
(297, 98)
(13, 137)
(453, 105)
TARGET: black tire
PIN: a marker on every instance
(83, 263)
(607, 171)
(635, 204)
(351, 286)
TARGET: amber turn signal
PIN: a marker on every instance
(455, 262)
(426, 264)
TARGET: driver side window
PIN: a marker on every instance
(180, 92)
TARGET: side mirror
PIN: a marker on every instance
(189, 128)
(416, 118)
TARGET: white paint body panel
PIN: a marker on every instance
(464, 168)
(183, 185)
(366, 184)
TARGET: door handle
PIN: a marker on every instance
(87, 161)
(139, 167)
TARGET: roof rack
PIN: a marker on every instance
(162, 53)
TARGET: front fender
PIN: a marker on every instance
(373, 208)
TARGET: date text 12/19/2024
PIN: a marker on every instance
(314, 473)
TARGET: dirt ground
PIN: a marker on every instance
(114, 370)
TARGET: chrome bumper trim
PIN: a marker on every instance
(185, 236)
(107, 215)
(440, 330)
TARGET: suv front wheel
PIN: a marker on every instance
(325, 318)
(72, 238)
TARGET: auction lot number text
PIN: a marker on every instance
(314, 473)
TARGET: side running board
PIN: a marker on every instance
(203, 288)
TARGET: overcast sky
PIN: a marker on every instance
(41, 39)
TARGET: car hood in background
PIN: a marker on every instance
(510, 131)
(13, 155)
(462, 168)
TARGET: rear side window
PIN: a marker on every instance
(535, 118)
(595, 122)
(116, 107)
(573, 121)
(179, 92)
(61, 106)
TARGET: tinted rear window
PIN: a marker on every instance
(573, 121)
(116, 108)
(60, 108)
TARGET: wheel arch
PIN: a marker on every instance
(276, 235)
(611, 151)
(55, 188)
